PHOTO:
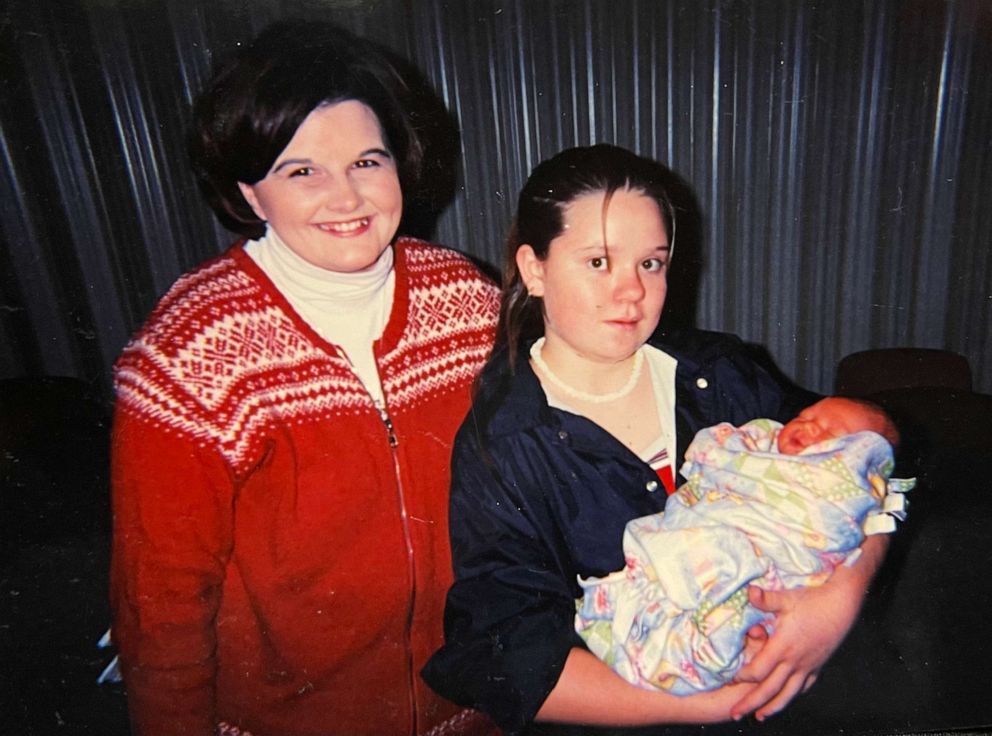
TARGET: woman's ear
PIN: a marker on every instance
(531, 269)
(248, 192)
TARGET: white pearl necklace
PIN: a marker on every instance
(635, 374)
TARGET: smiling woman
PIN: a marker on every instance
(285, 417)
(333, 194)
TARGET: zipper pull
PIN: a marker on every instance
(390, 432)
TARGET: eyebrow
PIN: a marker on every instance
(600, 246)
(375, 152)
(291, 162)
(599, 249)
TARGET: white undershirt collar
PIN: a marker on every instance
(347, 309)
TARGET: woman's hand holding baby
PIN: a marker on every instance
(810, 623)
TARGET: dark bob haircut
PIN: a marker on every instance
(552, 186)
(251, 109)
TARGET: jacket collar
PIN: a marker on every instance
(511, 402)
(520, 405)
(508, 403)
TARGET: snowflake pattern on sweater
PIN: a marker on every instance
(223, 355)
(257, 488)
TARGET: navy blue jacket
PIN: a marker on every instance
(540, 496)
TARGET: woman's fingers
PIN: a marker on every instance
(769, 601)
(761, 657)
(754, 641)
(773, 694)
(762, 694)
(782, 698)
(758, 660)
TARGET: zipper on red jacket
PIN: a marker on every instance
(412, 568)
(394, 442)
(411, 565)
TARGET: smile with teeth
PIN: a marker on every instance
(343, 228)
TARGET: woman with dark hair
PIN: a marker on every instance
(284, 419)
(578, 426)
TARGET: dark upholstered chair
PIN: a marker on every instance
(929, 394)
(917, 661)
(870, 371)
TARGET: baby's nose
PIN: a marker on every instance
(796, 436)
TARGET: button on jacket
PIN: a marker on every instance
(541, 496)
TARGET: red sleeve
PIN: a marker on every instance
(172, 537)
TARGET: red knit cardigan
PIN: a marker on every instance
(281, 551)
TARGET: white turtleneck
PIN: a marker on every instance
(347, 309)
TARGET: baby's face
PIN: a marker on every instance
(827, 419)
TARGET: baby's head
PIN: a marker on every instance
(831, 418)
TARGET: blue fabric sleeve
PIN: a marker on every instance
(509, 616)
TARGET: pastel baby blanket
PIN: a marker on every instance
(675, 617)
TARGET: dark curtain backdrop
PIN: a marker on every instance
(839, 154)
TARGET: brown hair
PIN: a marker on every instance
(251, 109)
